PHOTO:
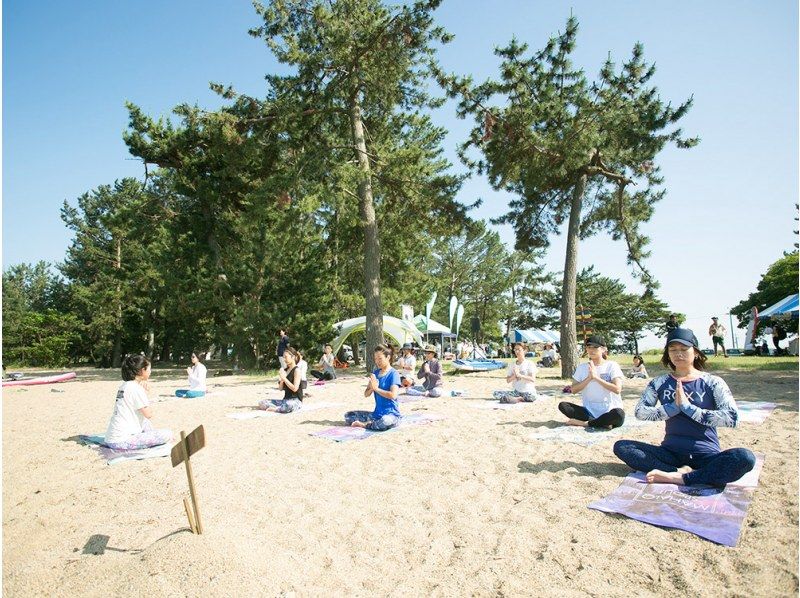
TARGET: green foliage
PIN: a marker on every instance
(571, 150)
(37, 328)
(621, 317)
(778, 282)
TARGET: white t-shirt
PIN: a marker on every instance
(407, 364)
(197, 377)
(127, 419)
(596, 399)
(526, 368)
(303, 368)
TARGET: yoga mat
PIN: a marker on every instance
(344, 433)
(114, 456)
(710, 513)
(755, 412)
(540, 396)
(587, 436)
(255, 413)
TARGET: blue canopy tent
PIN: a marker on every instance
(787, 306)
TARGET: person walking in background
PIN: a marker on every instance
(717, 333)
(283, 342)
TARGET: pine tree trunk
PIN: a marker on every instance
(569, 344)
(151, 335)
(372, 250)
(116, 358)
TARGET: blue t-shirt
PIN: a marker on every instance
(384, 406)
(691, 429)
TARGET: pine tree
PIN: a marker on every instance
(570, 150)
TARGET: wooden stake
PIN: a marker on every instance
(198, 522)
(190, 516)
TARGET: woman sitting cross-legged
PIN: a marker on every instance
(599, 381)
(290, 381)
(693, 404)
(197, 378)
(431, 370)
(384, 385)
(521, 375)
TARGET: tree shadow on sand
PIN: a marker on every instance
(593, 470)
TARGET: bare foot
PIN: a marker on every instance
(577, 422)
(358, 424)
(665, 477)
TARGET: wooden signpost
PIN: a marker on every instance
(181, 452)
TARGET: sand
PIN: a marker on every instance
(465, 506)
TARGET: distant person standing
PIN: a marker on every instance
(778, 334)
(283, 343)
(717, 333)
(672, 323)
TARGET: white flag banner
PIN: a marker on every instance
(429, 309)
(459, 317)
(453, 305)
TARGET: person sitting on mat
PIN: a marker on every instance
(549, 356)
(384, 385)
(638, 370)
(406, 364)
(521, 374)
(431, 370)
(289, 381)
(325, 369)
(694, 404)
(130, 427)
(197, 379)
(600, 382)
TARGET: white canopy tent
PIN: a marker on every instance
(401, 331)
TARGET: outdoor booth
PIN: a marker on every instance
(401, 331)
(436, 332)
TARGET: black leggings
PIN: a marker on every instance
(321, 375)
(614, 418)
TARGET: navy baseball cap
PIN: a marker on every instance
(596, 340)
(683, 336)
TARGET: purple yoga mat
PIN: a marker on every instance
(710, 513)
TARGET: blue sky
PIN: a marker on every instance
(69, 67)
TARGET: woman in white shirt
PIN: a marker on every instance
(521, 375)
(406, 365)
(130, 427)
(600, 383)
(197, 379)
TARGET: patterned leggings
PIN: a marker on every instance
(283, 405)
(419, 391)
(148, 437)
(378, 425)
(514, 396)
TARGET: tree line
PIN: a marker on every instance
(330, 197)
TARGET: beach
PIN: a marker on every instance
(466, 506)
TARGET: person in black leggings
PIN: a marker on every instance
(600, 382)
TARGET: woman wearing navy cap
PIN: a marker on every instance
(693, 404)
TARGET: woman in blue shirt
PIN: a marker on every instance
(693, 404)
(384, 385)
